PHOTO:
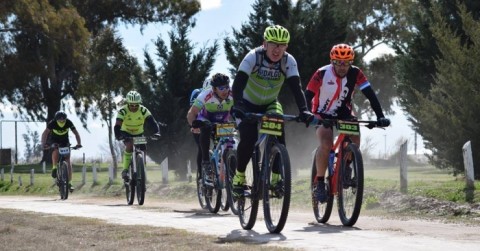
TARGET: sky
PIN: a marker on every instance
(215, 21)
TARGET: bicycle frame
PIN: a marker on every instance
(137, 141)
(333, 169)
(223, 139)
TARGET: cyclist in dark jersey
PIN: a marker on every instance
(59, 128)
(256, 88)
(329, 94)
(130, 123)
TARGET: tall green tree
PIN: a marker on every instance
(46, 44)
(44, 54)
(447, 116)
(420, 86)
(113, 71)
(182, 68)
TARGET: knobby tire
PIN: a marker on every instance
(350, 189)
(130, 185)
(276, 203)
(141, 179)
(321, 211)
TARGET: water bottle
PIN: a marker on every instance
(331, 158)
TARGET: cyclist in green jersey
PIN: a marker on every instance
(130, 123)
(256, 88)
(59, 127)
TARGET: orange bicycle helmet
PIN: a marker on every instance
(342, 52)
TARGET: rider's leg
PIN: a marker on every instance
(248, 137)
(325, 138)
(127, 157)
(54, 162)
(204, 141)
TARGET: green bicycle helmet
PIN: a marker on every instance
(276, 34)
(133, 97)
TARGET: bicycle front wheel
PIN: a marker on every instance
(350, 185)
(141, 180)
(130, 185)
(230, 168)
(248, 203)
(62, 180)
(322, 211)
(277, 189)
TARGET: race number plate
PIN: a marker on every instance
(272, 126)
(348, 127)
(225, 130)
(64, 150)
(139, 140)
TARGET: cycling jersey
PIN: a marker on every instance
(265, 83)
(133, 121)
(333, 95)
(211, 108)
(59, 131)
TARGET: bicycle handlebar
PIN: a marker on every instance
(56, 145)
(284, 116)
(370, 124)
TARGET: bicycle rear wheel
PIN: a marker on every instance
(248, 204)
(230, 168)
(214, 194)
(141, 180)
(130, 185)
(201, 191)
(62, 180)
(277, 189)
(322, 211)
(350, 185)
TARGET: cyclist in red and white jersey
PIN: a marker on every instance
(329, 95)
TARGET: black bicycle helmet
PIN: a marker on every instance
(219, 79)
(60, 115)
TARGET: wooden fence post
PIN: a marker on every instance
(20, 181)
(469, 171)
(403, 167)
(1, 174)
(164, 167)
(44, 167)
(94, 172)
(189, 171)
(110, 174)
(32, 175)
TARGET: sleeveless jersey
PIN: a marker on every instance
(211, 108)
(265, 81)
(333, 95)
(133, 121)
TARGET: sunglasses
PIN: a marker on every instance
(223, 87)
(342, 62)
(133, 105)
(275, 45)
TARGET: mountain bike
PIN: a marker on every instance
(344, 178)
(137, 176)
(62, 169)
(224, 146)
(269, 177)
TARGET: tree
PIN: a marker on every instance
(168, 88)
(423, 89)
(44, 54)
(46, 44)
(447, 116)
(33, 148)
(112, 71)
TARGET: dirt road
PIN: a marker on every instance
(301, 232)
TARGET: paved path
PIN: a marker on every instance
(300, 232)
